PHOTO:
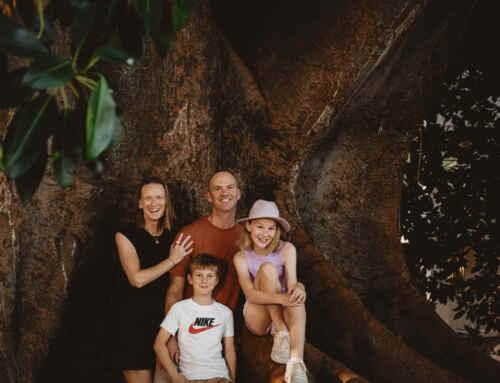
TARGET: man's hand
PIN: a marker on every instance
(173, 350)
(179, 379)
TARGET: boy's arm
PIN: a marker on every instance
(174, 294)
(163, 356)
(230, 356)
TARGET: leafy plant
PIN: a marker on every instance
(449, 211)
(77, 85)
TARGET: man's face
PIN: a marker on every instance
(223, 192)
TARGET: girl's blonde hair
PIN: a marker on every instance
(167, 220)
(245, 241)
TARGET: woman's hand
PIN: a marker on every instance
(298, 294)
(180, 248)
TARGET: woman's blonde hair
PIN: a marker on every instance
(167, 220)
(245, 241)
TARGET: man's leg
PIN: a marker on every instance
(161, 375)
(138, 376)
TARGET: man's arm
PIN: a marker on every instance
(174, 294)
(164, 357)
(230, 356)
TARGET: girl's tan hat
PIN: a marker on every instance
(266, 209)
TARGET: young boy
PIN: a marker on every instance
(201, 323)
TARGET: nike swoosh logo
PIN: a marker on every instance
(193, 330)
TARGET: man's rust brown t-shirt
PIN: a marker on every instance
(221, 243)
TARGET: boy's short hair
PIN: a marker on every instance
(204, 260)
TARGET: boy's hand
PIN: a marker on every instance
(173, 349)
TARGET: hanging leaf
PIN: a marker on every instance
(18, 40)
(181, 10)
(114, 54)
(48, 72)
(100, 123)
(96, 166)
(114, 10)
(151, 12)
(44, 25)
(68, 147)
(27, 184)
(162, 40)
(40, 6)
(27, 133)
(83, 19)
(131, 30)
(117, 133)
(13, 92)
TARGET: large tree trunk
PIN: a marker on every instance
(309, 104)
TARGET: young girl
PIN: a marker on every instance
(266, 268)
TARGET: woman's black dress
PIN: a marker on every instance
(139, 311)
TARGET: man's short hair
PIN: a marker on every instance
(204, 260)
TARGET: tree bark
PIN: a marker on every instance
(312, 105)
(258, 367)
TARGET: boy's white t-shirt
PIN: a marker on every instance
(201, 329)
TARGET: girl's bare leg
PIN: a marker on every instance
(295, 318)
(258, 317)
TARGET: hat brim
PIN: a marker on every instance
(283, 222)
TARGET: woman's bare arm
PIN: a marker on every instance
(132, 266)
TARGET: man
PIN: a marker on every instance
(216, 234)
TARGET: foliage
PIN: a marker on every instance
(449, 211)
(52, 91)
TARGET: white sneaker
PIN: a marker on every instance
(280, 352)
(296, 371)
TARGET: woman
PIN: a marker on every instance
(266, 268)
(143, 249)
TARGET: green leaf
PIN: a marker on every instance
(68, 147)
(13, 92)
(83, 19)
(114, 54)
(40, 6)
(180, 13)
(151, 12)
(48, 72)
(46, 26)
(117, 133)
(18, 40)
(100, 123)
(27, 184)
(96, 166)
(64, 168)
(27, 134)
(162, 40)
(130, 30)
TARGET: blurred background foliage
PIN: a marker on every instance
(65, 110)
(449, 213)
